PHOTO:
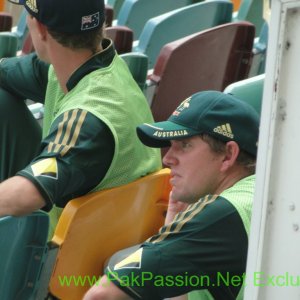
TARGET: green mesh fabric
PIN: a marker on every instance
(240, 196)
(112, 95)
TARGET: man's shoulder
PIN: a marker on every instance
(210, 208)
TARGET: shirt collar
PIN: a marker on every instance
(100, 60)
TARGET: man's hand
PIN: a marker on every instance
(174, 208)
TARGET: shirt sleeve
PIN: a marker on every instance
(74, 158)
(204, 248)
(25, 76)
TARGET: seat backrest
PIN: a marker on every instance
(8, 44)
(260, 52)
(109, 15)
(179, 23)
(116, 5)
(135, 13)
(93, 227)
(122, 37)
(249, 90)
(251, 11)
(208, 60)
(23, 243)
(138, 66)
(21, 30)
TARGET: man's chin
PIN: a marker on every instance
(178, 196)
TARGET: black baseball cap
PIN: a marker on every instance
(66, 16)
(217, 114)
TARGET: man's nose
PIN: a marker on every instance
(169, 158)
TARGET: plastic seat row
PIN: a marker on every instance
(188, 19)
(135, 13)
(179, 23)
(90, 230)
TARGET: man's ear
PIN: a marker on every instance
(42, 30)
(230, 156)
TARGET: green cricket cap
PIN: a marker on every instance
(217, 114)
(67, 16)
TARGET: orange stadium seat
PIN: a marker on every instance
(95, 226)
(236, 4)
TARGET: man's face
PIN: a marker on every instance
(195, 169)
(37, 37)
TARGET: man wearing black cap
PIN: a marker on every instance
(202, 249)
(92, 106)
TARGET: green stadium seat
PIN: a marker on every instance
(251, 11)
(116, 5)
(179, 23)
(21, 30)
(249, 90)
(260, 52)
(138, 66)
(22, 252)
(8, 44)
(135, 13)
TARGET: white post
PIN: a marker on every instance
(273, 269)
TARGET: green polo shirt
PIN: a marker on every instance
(204, 248)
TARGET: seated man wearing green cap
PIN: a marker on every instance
(92, 106)
(202, 248)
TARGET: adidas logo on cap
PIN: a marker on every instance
(225, 130)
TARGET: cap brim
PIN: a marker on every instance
(158, 135)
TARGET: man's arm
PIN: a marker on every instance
(24, 76)
(19, 196)
(105, 290)
(75, 156)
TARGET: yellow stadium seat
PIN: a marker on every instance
(95, 226)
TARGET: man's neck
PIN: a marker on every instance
(66, 61)
(235, 175)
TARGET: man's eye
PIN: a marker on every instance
(185, 144)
